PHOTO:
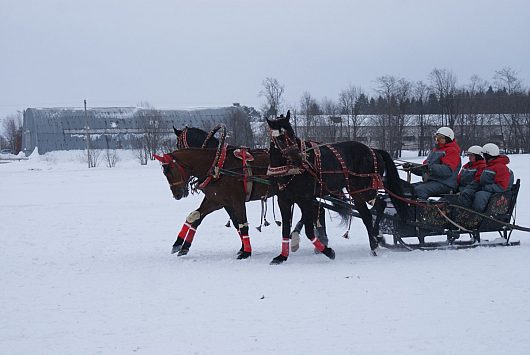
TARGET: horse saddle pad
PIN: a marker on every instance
(238, 153)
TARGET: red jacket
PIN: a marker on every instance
(450, 155)
(469, 168)
(444, 164)
(497, 172)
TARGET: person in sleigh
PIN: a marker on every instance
(496, 177)
(440, 169)
(469, 177)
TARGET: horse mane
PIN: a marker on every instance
(194, 137)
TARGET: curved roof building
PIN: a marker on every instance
(67, 128)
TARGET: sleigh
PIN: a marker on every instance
(459, 227)
(442, 224)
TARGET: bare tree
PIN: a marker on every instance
(154, 130)
(3, 142)
(110, 154)
(421, 92)
(239, 130)
(331, 109)
(272, 92)
(443, 85)
(140, 150)
(310, 109)
(511, 120)
(471, 123)
(506, 78)
(396, 97)
(347, 103)
(13, 132)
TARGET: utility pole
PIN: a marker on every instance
(87, 136)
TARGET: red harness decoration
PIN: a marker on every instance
(377, 182)
(218, 163)
(243, 154)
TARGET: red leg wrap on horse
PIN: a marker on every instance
(318, 245)
(246, 243)
(190, 235)
(285, 246)
(184, 231)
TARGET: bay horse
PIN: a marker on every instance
(200, 168)
(191, 137)
(348, 171)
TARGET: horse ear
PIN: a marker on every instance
(288, 114)
(177, 131)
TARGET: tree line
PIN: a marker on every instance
(398, 108)
(399, 105)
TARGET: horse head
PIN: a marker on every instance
(284, 139)
(176, 174)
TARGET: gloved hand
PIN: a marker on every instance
(420, 169)
(407, 166)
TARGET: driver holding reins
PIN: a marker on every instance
(440, 169)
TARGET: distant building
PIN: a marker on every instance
(67, 128)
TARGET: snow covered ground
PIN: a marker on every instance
(85, 268)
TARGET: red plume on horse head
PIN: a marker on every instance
(165, 159)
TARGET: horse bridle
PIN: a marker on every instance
(291, 144)
(169, 162)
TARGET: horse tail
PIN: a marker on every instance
(344, 210)
(393, 182)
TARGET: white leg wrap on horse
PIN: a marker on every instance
(243, 225)
(295, 241)
(193, 216)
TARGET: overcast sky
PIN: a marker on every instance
(180, 54)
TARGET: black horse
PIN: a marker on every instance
(347, 171)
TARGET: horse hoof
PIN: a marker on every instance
(278, 260)
(243, 255)
(330, 253)
(183, 252)
(373, 253)
(175, 249)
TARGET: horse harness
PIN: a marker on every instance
(315, 169)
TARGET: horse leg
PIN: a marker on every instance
(286, 212)
(379, 207)
(241, 216)
(321, 225)
(295, 236)
(366, 216)
(185, 237)
(307, 216)
(231, 214)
